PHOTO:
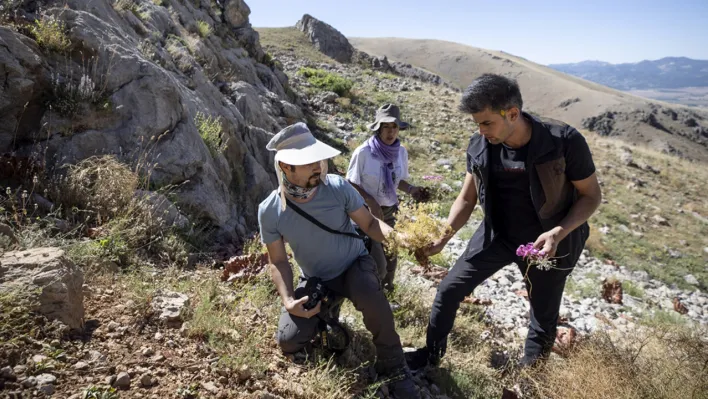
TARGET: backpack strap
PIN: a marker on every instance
(318, 224)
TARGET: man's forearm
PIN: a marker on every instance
(282, 275)
(378, 230)
(404, 186)
(579, 213)
(459, 214)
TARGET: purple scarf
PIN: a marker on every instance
(388, 154)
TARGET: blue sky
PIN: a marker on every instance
(549, 31)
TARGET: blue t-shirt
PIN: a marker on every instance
(318, 253)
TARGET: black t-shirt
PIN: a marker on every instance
(509, 193)
(513, 214)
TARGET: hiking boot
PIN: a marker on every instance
(528, 361)
(417, 359)
(401, 384)
(425, 356)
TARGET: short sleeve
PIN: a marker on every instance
(404, 163)
(579, 163)
(267, 224)
(354, 171)
(352, 199)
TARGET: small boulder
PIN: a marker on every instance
(147, 380)
(170, 306)
(45, 383)
(81, 366)
(7, 373)
(56, 279)
(7, 237)
(691, 279)
(122, 381)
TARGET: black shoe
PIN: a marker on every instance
(417, 359)
(421, 358)
(401, 385)
(531, 360)
(388, 287)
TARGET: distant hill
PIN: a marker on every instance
(672, 129)
(666, 73)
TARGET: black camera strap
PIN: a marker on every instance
(317, 223)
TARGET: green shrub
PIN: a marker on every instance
(50, 33)
(95, 392)
(204, 28)
(327, 80)
(210, 130)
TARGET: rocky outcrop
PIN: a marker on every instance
(410, 71)
(603, 124)
(131, 85)
(51, 282)
(326, 38)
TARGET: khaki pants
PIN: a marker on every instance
(360, 284)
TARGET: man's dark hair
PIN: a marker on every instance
(491, 91)
(291, 167)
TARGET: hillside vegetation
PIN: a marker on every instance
(164, 318)
(664, 127)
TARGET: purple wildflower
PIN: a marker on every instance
(535, 256)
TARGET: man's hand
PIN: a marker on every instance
(434, 248)
(548, 241)
(419, 194)
(295, 307)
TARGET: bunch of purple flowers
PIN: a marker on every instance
(534, 256)
(433, 178)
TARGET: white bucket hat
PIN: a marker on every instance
(295, 145)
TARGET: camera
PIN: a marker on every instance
(315, 291)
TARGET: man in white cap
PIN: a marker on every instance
(337, 256)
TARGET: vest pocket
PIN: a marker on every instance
(555, 186)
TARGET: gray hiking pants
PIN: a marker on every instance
(360, 284)
(386, 265)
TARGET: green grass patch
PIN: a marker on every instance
(630, 288)
(203, 28)
(291, 40)
(210, 130)
(328, 81)
(50, 33)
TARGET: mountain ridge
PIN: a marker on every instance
(664, 73)
(665, 127)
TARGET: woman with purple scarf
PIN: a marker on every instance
(377, 169)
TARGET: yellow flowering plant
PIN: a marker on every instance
(417, 227)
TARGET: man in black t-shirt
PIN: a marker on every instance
(535, 180)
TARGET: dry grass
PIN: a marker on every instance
(665, 363)
(99, 215)
(291, 39)
(634, 196)
(100, 185)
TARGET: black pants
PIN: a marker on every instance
(545, 292)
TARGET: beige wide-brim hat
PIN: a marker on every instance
(295, 145)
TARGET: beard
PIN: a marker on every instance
(310, 183)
